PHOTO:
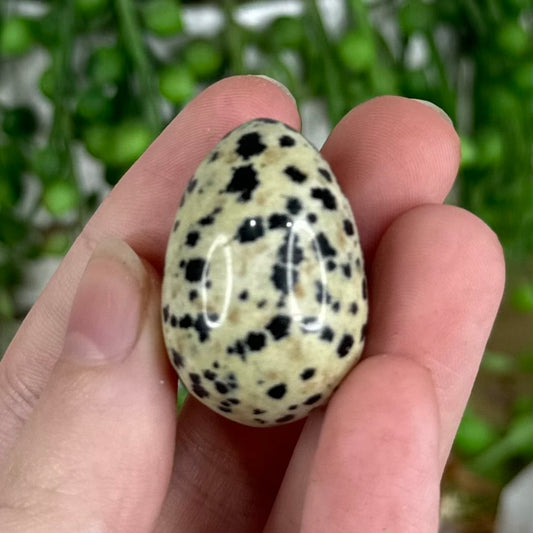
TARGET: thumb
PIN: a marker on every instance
(96, 453)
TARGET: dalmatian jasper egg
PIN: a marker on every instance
(264, 292)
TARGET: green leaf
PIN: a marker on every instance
(163, 17)
(474, 434)
(357, 51)
(522, 297)
(203, 59)
(177, 83)
(16, 36)
(60, 197)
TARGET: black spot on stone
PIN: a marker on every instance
(321, 293)
(194, 269)
(325, 196)
(215, 364)
(278, 221)
(250, 144)
(347, 270)
(326, 250)
(193, 295)
(344, 345)
(313, 399)
(185, 321)
(331, 265)
(243, 295)
(250, 230)
(225, 409)
(348, 227)
(285, 418)
(259, 421)
(192, 238)
(365, 295)
(277, 391)
(294, 206)
(292, 407)
(363, 331)
(173, 320)
(296, 252)
(358, 262)
(207, 220)
(279, 326)
(295, 174)
(234, 401)
(197, 387)
(225, 403)
(286, 140)
(165, 313)
(210, 375)
(311, 217)
(261, 304)
(327, 334)
(259, 411)
(336, 306)
(220, 387)
(325, 174)
(192, 185)
(214, 156)
(177, 358)
(200, 391)
(255, 341)
(182, 263)
(200, 325)
(266, 120)
(284, 277)
(308, 373)
(353, 308)
(176, 225)
(244, 181)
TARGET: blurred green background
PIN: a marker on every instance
(86, 85)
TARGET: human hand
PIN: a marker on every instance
(88, 438)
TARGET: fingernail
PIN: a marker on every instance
(107, 309)
(436, 108)
(277, 83)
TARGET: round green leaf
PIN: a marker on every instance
(474, 435)
(522, 297)
(285, 33)
(163, 17)
(177, 84)
(60, 197)
(357, 51)
(203, 58)
(16, 36)
(106, 64)
(128, 141)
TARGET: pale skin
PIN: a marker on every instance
(89, 438)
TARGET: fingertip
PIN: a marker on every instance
(390, 154)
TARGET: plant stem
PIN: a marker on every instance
(334, 87)
(233, 35)
(132, 38)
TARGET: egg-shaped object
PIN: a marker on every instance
(264, 299)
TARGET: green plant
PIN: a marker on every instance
(106, 81)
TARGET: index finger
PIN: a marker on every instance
(139, 210)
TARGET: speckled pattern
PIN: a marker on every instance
(264, 292)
